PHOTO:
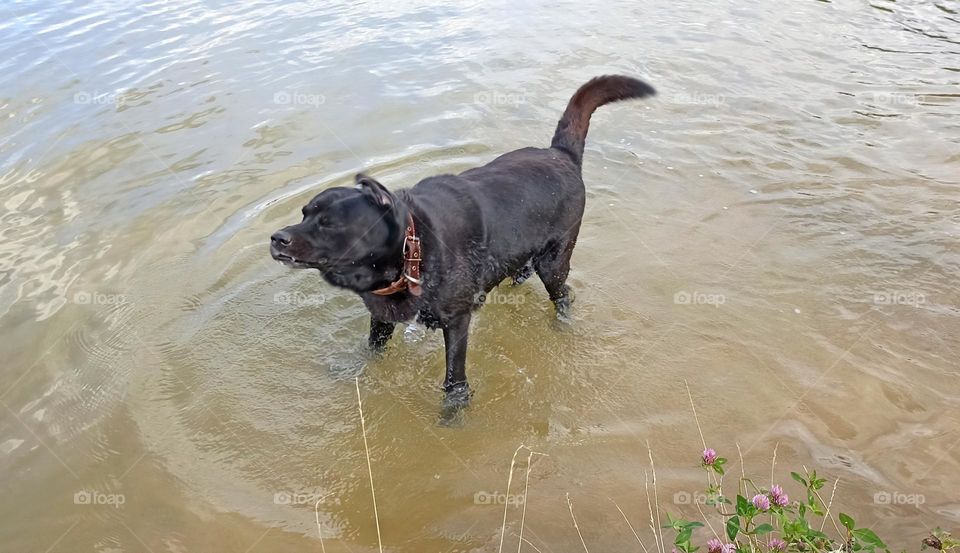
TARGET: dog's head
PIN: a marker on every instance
(352, 235)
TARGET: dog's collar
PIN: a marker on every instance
(410, 276)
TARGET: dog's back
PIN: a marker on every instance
(528, 203)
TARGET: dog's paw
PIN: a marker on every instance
(348, 369)
(563, 308)
(456, 399)
(451, 417)
(375, 350)
(457, 394)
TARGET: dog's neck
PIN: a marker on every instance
(409, 277)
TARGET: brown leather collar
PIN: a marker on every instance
(410, 277)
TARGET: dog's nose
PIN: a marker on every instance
(281, 238)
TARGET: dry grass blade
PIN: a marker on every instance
(653, 526)
(773, 463)
(525, 540)
(704, 517)
(695, 417)
(630, 525)
(829, 505)
(656, 498)
(710, 475)
(526, 488)
(366, 450)
(575, 525)
(316, 511)
(503, 526)
(743, 470)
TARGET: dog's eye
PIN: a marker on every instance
(323, 222)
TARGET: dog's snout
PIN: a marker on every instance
(281, 238)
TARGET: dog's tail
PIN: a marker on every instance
(572, 129)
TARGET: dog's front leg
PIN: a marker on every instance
(455, 332)
(380, 333)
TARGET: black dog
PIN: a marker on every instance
(433, 251)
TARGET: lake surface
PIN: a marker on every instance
(778, 230)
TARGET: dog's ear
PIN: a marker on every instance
(374, 191)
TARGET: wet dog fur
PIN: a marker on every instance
(514, 216)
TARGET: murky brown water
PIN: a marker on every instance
(778, 229)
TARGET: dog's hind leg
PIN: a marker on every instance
(553, 266)
(380, 333)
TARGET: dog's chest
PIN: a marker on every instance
(395, 308)
(429, 319)
(401, 309)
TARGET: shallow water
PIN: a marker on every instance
(777, 229)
